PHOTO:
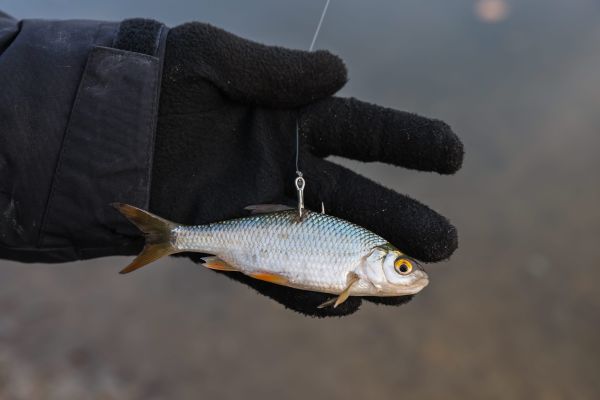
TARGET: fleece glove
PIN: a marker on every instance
(226, 140)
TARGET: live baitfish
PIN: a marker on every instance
(317, 252)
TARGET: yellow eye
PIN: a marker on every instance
(403, 266)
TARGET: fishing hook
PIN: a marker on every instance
(300, 182)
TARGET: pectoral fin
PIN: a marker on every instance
(328, 303)
(336, 301)
(217, 264)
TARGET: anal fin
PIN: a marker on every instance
(336, 301)
(217, 264)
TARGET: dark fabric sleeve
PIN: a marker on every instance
(78, 109)
(9, 28)
(5, 15)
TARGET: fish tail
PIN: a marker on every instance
(156, 230)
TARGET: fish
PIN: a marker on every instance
(314, 251)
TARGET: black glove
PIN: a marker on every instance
(226, 140)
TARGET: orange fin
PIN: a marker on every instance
(217, 264)
(270, 277)
(157, 231)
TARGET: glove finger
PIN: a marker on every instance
(302, 301)
(389, 301)
(351, 128)
(251, 72)
(414, 228)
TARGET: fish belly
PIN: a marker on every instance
(316, 270)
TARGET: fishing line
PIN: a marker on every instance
(312, 44)
(300, 182)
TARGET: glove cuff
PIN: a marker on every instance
(144, 36)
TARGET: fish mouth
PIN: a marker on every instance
(418, 286)
(423, 283)
(407, 290)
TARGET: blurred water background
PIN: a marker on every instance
(514, 315)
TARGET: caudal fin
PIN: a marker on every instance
(157, 231)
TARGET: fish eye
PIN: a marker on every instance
(403, 266)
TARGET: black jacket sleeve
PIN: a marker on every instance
(78, 109)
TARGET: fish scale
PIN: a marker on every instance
(316, 253)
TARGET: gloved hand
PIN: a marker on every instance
(226, 140)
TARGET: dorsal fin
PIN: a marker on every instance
(267, 208)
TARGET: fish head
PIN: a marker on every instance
(394, 274)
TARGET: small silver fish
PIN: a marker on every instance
(317, 252)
